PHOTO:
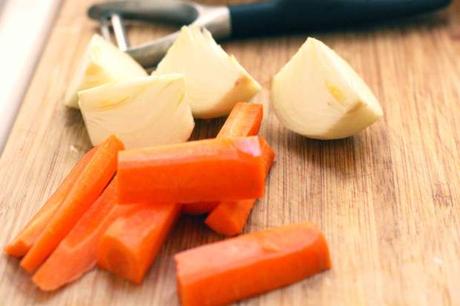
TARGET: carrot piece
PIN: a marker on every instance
(241, 267)
(130, 245)
(76, 254)
(244, 120)
(86, 189)
(230, 217)
(198, 208)
(204, 170)
(29, 234)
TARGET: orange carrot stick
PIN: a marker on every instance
(130, 245)
(204, 170)
(86, 189)
(76, 254)
(26, 238)
(238, 268)
(244, 120)
(230, 217)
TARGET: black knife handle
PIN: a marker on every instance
(283, 16)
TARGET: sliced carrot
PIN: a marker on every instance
(244, 120)
(26, 238)
(229, 217)
(86, 189)
(238, 268)
(197, 171)
(130, 245)
(76, 254)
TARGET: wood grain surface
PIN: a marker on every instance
(388, 199)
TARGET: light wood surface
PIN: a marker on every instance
(387, 200)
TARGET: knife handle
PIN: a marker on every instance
(284, 16)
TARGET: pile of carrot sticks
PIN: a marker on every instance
(116, 207)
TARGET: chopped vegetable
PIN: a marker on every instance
(27, 237)
(318, 94)
(76, 254)
(142, 112)
(238, 268)
(102, 63)
(130, 245)
(244, 120)
(86, 189)
(204, 170)
(230, 217)
(214, 80)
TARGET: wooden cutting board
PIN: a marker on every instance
(388, 199)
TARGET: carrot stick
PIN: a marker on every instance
(130, 245)
(76, 254)
(26, 238)
(86, 189)
(244, 120)
(238, 268)
(204, 170)
(229, 217)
